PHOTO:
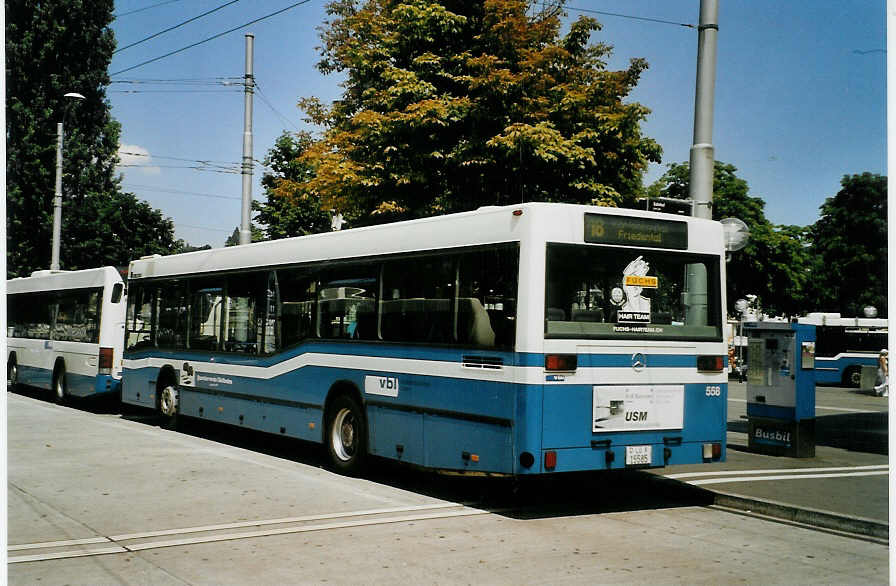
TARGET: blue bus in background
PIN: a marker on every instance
(517, 340)
(845, 344)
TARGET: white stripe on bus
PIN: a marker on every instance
(517, 374)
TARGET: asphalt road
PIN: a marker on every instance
(96, 496)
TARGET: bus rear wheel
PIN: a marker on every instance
(346, 436)
(852, 377)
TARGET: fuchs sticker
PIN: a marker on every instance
(386, 386)
(634, 308)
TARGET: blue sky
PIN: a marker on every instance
(800, 95)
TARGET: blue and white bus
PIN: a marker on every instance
(845, 344)
(509, 340)
(65, 331)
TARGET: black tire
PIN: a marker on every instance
(346, 436)
(852, 377)
(60, 389)
(12, 374)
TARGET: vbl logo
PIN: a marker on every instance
(388, 383)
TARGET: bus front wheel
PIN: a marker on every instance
(346, 435)
(12, 374)
(59, 387)
(168, 404)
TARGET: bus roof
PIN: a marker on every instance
(59, 280)
(834, 319)
(549, 222)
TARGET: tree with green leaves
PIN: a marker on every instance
(291, 208)
(255, 233)
(52, 48)
(451, 104)
(849, 241)
(775, 265)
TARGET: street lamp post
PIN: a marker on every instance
(57, 198)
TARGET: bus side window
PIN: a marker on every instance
(419, 297)
(139, 318)
(347, 303)
(172, 316)
(243, 302)
(206, 302)
(298, 290)
(487, 290)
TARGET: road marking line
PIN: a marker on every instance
(465, 512)
(845, 409)
(778, 471)
(85, 541)
(304, 529)
(241, 524)
(39, 557)
(785, 477)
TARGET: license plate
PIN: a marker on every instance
(638, 455)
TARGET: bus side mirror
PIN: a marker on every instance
(117, 291)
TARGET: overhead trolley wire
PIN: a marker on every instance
(169, 29)
(226, 81)
(178, 191)
(136, 10)
(211, 38)
(268, 103)
(629, 16)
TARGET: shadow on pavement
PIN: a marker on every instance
(556, 495)
(858, 432)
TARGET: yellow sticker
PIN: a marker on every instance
(639, 281)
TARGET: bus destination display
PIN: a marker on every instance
(600, 229)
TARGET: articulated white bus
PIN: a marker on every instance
(65, 331)
(844, 344)
(527, 339)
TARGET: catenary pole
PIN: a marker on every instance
(249, 87)
(702, 152)
(57, 202)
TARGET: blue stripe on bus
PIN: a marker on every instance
(494, 420)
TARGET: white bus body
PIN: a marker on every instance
(65, 331)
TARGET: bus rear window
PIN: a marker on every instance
(613, 292)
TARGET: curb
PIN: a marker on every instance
(858, 527)
(855, 526)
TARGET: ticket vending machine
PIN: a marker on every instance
(781, 388)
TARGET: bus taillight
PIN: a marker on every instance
(711, 363)
(105, 366)
(560, 362)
